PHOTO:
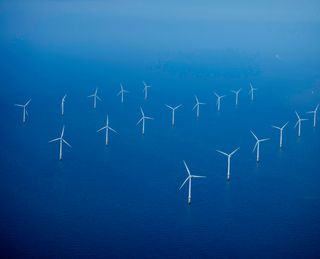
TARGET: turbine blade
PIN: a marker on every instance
(297, 115)
(53, 140)
(27, 102)
(148, 118)
(62, 132)
(99, 98)
(297, 123)
(264, 139)
(169, 106)
(255, 146)
(254, 136)
(101, 129)
(142, 112)
(140, 120)
(66, 143)
(276, 127)
(184, 182)
(112, 130)
(234, 151)
(195, 106)
(198, 176)
(223, 153)
(19, 105)
(285, 125)
(185, 165)
(178, 106)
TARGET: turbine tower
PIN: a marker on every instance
(189, 178)
(122, 92)
(62, 104)
(251, 91)
(257, 145)
(229, 158)
(314, 116)
(281, 130)
(107, 128)
(299, 124)
(145, 90)
(61, 141)
(143, 118)
(95, 98)
(197, 105)
(236, 95)
(219, 100)
(173, 112)
(24, 110)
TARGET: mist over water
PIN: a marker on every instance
(124, 200)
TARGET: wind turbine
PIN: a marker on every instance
(145, 90)
(197, 105)
(107, 128)
(299, 124)
(314, 115)
(62, 104)
(281, 130)
(173, 111)
(61, 140)
(236, 95)
(251, 91)
(95, 97)
(229, 158)
(24, 111)
(257, 145)
(122, 92)
(189, 178)
(219, 100)
(143, 118)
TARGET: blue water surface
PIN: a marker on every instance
(123, 200)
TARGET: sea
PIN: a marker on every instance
(123, 200)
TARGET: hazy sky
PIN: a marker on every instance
(137, 26)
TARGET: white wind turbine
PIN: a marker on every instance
(122, 92)
(219, 97)
(197, 105)
(61, 141)
(95, 97)
(236, 95)
(189, 178)
(24, 110)
(143, 118)
(173, 111)
(107, 128)
(229, 158)
(257, 145)
(145, 90)
(281, 130)
(62, 104)
(299, 124)
(251, 91)
(314, 116)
